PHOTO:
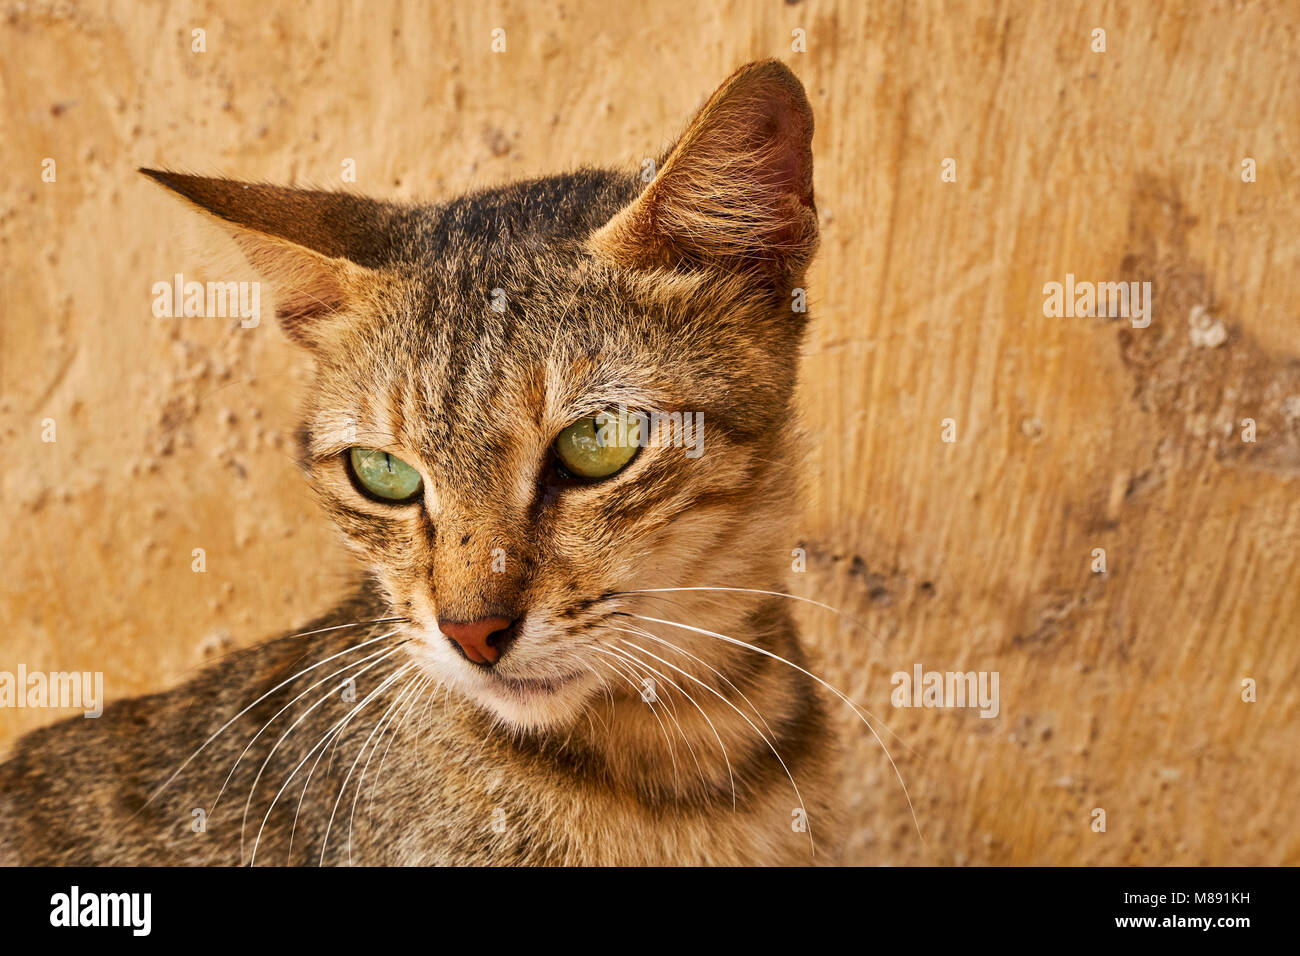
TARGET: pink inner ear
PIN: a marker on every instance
(771, 125)
(736, 191)
(299, 310)
(296, 312)
(307, 287)
(782, 135)
(779, 135)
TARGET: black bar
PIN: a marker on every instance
(327, 907)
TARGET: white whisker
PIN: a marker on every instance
(770, 744)
(276, 747)
(672, 715)
(222, 729)
(343, 786)
(727, 760)
(834, 690)
(622, 671)
(794, 597)
(274, 717)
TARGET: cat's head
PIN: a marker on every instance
(475, 360)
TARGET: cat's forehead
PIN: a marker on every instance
(496, 225)
(497, 286)
(550, 338)
(465, 378)
(497, 270)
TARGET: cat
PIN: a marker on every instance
(565, 649)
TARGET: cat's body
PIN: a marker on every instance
(581, 659)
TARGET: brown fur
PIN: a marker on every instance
(674, 297)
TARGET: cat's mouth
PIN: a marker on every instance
(533, 686)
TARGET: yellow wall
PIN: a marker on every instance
(1119, 691)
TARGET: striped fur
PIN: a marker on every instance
(673, 296)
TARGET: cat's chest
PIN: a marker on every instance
(452, 805)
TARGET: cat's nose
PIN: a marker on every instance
(482, 641)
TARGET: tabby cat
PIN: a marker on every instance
(570, 646)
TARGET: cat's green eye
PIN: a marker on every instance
(384, 476)
(601, 446)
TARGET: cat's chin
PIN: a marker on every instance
(524, 704)
(533, 705)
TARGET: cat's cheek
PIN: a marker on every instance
(417, 606)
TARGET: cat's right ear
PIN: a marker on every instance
(317, 250)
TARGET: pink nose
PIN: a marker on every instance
(483, 641)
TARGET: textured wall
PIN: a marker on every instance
(1118, 690)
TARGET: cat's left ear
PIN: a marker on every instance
(735, 193)
(318, 250)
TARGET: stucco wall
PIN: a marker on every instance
(1119, 691)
